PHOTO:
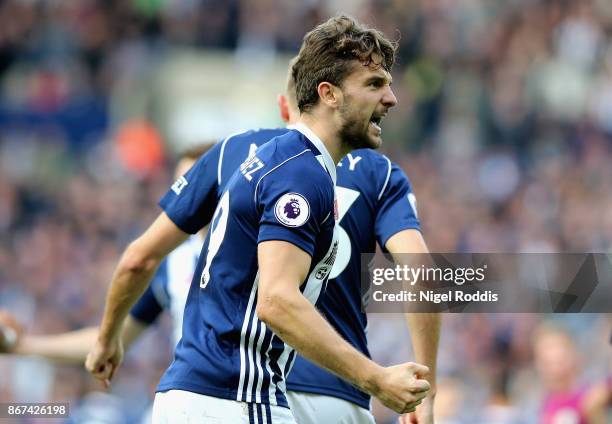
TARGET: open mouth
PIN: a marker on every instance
(375, 121)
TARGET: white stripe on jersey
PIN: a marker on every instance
(262, 335)
(314, 284)
(325, 219)
(245, 326)
(223, 150)
(282, 362)
(272, 387)
(273, 169)
(250, 357)
(318, 143)
(386, 180)
(264, 415)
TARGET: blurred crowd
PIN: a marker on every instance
(504, 127)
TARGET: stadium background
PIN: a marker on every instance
(504, 126)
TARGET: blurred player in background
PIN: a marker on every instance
(566, 400)
(268, 256)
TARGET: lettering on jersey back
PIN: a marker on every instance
(251, 165)
(352, 161)
(252, 149)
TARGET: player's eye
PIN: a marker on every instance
(377, 83)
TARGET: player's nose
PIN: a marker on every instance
(389, 99)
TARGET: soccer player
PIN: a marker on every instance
(269, 253)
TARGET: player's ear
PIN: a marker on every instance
(283, 106)
(329, 94)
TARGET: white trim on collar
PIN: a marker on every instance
(314, 139)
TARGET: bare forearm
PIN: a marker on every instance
(72, 347)
(135, 271)
(298, 323)
(425, 334)
(128, 284)
(69, 348)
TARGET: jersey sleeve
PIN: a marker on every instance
(192, 199)
(155, 298)
(294, 206)
(396, 209)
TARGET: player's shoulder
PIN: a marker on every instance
(241, 146)
(372, 172)
(366, 165)
(257, 136)
(289, 150)
(293, 160)
(373, 159)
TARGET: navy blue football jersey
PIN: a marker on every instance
(375, 201)
(283, 191)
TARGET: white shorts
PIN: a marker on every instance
(182, 407)
(308, 408)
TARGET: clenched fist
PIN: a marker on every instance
(104, 359)
(402, 387)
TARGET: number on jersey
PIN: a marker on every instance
(217, 233)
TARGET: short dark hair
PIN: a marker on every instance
(329, 51)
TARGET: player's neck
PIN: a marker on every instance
(328, 135)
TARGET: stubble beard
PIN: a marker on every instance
(352, 132)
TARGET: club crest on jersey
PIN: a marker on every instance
(292, 210)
